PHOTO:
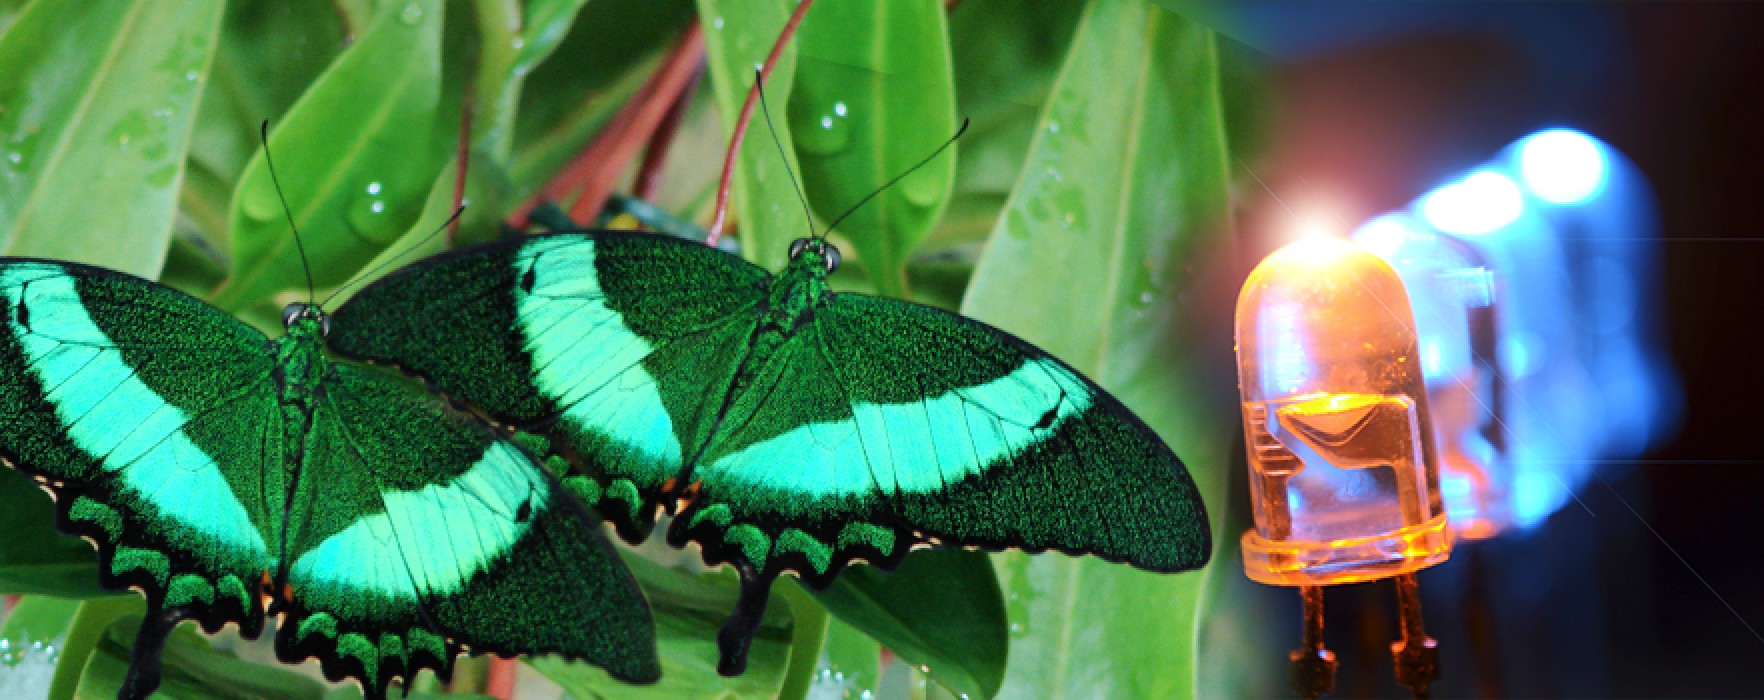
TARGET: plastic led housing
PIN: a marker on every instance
(1342, 465)
(1452, 295)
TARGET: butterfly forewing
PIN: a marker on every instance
(152, 418)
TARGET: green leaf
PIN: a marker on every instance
(513, 39)
(850, 665)
(418, 242)
(356, 158)
(1106, 256)
(809, 635)
(30, 644)
(193, 669)
(37, 618)
(96, 106)
(1006, 54)
(738, 35)
(83, 635)
(874, 96)
(941, 609)
(269, 53)
(688, 610)
(34, 558)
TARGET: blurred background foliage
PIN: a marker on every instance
(1085, 209)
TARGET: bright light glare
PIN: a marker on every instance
(1312, 227)
(1481, 203)
(1562, 166)
(1383, 236)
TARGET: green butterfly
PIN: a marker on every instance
(215, 468)
(787, 426)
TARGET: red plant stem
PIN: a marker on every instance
(463, 158)
(649, 175)
(720, 216)
(592, 174)
(580, 169)
(499, 681)
(667, 85)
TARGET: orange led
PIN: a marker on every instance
(1342, 463)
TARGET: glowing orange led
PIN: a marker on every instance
(1342, 464)
(1341, 454)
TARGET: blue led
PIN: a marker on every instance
(1562, 166)
(1538, 268)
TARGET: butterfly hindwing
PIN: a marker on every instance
(614, 344)
(415, 528)
(151, 417)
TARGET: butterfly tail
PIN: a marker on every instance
(750, 609)
(146, 661)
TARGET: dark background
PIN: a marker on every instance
(1368, 105)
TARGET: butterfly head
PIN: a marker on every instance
(814, 253)
(301, 318)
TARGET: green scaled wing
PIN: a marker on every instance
(880, 424)
(619, 346)
(414, 528)
(153, 420)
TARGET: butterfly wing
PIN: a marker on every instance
(883, 423)
(152, 419)
(415, 530)
(617, 344)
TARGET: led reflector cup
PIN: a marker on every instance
(1341, 456)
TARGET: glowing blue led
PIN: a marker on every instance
(1384, 236)
(1534, 281)
(1562, 166)
(1482, 203)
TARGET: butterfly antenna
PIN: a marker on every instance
(902, 176)
(759, 85)
(263, 135)
(389, 261)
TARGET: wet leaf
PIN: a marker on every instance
(96, 106)
(193, 669)
(850, 664)
(268, 54)
(1112, 254)
(1006, 55)
(355, 156)
(874, 95)
(83, 634)
(941, 609)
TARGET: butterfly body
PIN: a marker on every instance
(217, 469)
(789, 427)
